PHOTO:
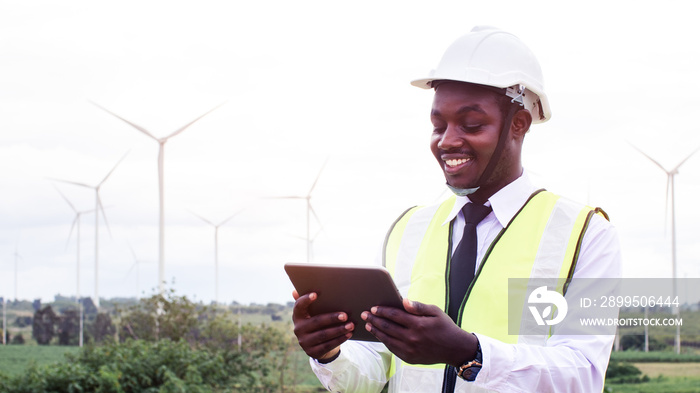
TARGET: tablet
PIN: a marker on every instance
(352, 289)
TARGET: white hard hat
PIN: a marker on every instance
(492, 57)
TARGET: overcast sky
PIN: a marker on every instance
(305, 82)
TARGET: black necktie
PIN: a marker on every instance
(463, 261)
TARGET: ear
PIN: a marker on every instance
(521, 123)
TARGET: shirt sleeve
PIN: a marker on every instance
(567, 363)
(361, 367)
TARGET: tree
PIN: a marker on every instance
(68, 327)
(102, 329)
(43, 326)
(88, 306)
(158, 317)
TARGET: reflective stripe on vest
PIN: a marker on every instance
(541, 241)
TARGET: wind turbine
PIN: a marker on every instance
(670, 176)
(309, 211)
(311, 241)
(98, 208)
(161, 189)
(76, 225)
(216, 249)
(136, 265)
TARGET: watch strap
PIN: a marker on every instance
(469, 370)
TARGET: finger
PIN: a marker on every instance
(422, 309)
(319, 350)
(295, 294)
(318, 342)
(396, 315)
(309, 326)
(384, 325)
(301, 306)
(388, 340)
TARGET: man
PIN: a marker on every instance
(453, 268)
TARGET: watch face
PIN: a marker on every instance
(470, 373)
(469, 370)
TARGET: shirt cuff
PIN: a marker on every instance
(498, 360)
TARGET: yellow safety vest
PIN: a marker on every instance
(541, 241)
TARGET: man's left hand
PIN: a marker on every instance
(420, 334)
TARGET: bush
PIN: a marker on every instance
(17, 339)
(167, 343)
(135, 366)
(23, 321)
(621, 372)
(636, 343)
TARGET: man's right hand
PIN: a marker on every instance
(319, 336)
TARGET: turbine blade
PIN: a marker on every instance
(72, 182)
(317, 177)
(65, 199)
(136, 126)
(102, 209)
(286, 197)
(132, 252)
(202, 218)
(183, 128)
(651, 159)
(228, 219)
(313, 238)
(115, 167)
(75, 220)
(318, 220)
(675, 169)
(130, 270)
(297, 237)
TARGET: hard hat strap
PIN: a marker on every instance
(496, 156)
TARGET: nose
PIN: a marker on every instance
(450, 139)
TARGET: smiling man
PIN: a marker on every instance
(452, 262)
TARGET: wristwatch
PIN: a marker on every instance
(469, 370)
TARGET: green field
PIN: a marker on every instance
(660, 385)
(14, 359)
(665, 371)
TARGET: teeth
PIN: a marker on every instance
(455, 162)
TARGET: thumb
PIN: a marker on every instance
(418, 308)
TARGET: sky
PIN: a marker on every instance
(309, 87)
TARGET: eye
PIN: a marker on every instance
(471, 128)
(438, 127)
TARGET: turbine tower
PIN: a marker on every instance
(216, 250)
(670, 176)
(161, 190)
(4, 320)
(17, 258)
(309, 211)
(76, 225)
(98, 209)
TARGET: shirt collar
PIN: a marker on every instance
(506, 202)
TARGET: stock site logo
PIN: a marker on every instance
(543, 296)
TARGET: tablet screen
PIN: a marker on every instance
(352, 289)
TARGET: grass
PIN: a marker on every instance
(659, 385)
(667, 372)
(655, 357)
(15, 359)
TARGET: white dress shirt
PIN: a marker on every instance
(565, 364)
